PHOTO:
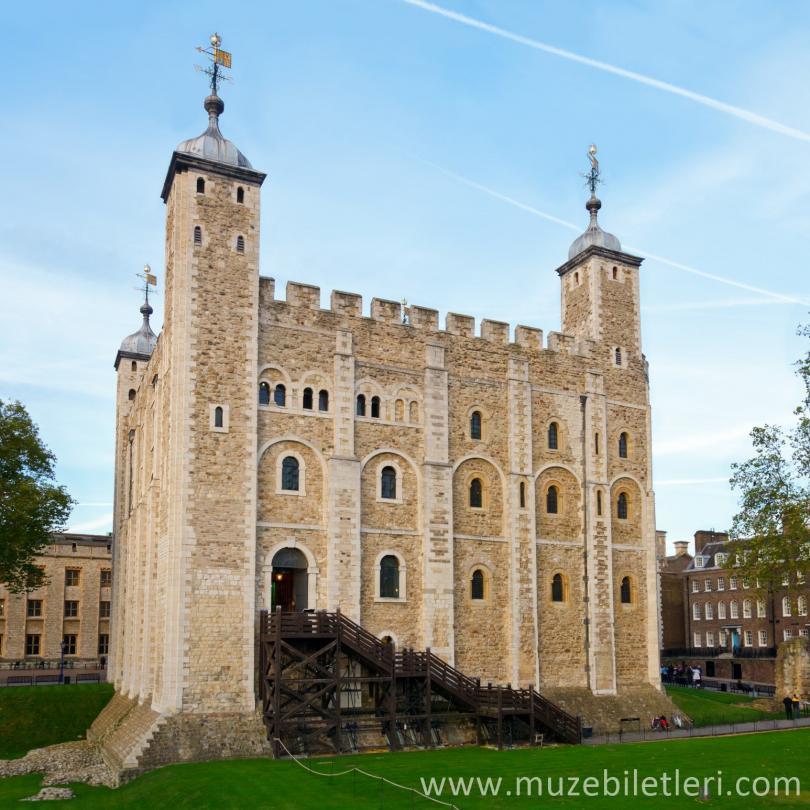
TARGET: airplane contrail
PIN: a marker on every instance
(707, 101)
(788, 299)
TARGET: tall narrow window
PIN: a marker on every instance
(621, 506)
(596, 444)
(477, 584)
(599, 502)
(290, 474)
(280, 395)
(389, 577)
(375, 407)
(557, 588)
(131, 394)
(618, 356)
(361, 405)
(218, 416)
(626, 591)
(264, 393)
(240, 195)
(522, 494)
(552, 500)
(622, 445)
(553, 436)
(200, 186)
(475, 425)
(323, 400)
(615, 273)
(197, 235)
(388, 483)
(399, 410)
(240, 244)
(307, 401)
(413, 413)
(476, 494)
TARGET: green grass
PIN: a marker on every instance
(34, 716)
(285, 785)
(708, 708)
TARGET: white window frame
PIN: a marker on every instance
(762, 638)
(699, 561)
(721, 583)
(707, 586)
(787, 606)
(762, 609)
(710, 638)
(400, 481)
(403, 578)
(732, 583)
(748, 609)
(721, 610)
(695, 586)
(734, 609)
(696, 611)
(801, 607)
(696, 639)
(708, 612)
(748, 638)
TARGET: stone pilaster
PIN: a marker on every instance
(521, 527)
(343, 499)
(437, 596)
(599, 566)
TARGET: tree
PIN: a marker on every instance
(32, 505)
(773, 524)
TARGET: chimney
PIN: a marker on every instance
(681, 547)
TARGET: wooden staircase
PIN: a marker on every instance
(327, 684)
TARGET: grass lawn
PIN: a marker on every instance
(708, 708)
(285, 785)
(34, 716)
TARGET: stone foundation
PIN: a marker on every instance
(603, 713)
(793, 669)
(134, 738)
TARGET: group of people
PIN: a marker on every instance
(793, 706)
(682, 673)
(662, 724)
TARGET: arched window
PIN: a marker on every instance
(323, 400)
(787, 608)
(522, 494)
(264, 393)
(375, 407)
(475, 425)
(399, 410)
(558, 588)
(307, 399)
(218, 416)
(626, 591)
(762, 611)
(476, 493)
(552, 500)
(240, 244)
(709, 610)
(413, 413)
(615, 273)
(134, 365)
(802, 605)
(477, 584)
(240, 195)
(618, 356)
(748, 609)
(280, 395)
(361, 405)
(289, 474)
(599, 502)
(131, 394)
(734, 610)
(696, 611)
(200, 185)
(721, 610)
(621, 506)
(553, 436)
(622, 445)
(389, 577)
(197, 235)
(388, 483)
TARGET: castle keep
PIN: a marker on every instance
(480, 492)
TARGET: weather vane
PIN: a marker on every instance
(405, 318)
(149, 280)
(592, 177)
(219, 59)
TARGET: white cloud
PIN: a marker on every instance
(101, 524)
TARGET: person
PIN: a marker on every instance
(696, 677)
(797, 705)
(664, 723)
(787, 702)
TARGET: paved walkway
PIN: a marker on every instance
(648, 735)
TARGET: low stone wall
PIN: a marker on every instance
(793, 669)
(603, 713)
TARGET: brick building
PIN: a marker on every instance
(730, 627)
(487, 497)
(673, 596)
(73, 606)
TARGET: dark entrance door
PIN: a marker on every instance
(284, 588)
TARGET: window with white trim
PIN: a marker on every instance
(721, 610)
(695, 586)
(748, 638)
(735, 610)
(707, 586)
(802, 605)
(761, 609)
(763, 638)
(787, 607)
(747, 609)
(696, 611)
(696, 639)
(732, 583)
(710, 638)
(699, 561)
(709, 611)
(787, 634)
(721, 583)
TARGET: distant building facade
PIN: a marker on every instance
(73, 606)
(729, 626)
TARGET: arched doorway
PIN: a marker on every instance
(289, 589)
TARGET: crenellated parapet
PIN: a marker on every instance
(350, 305)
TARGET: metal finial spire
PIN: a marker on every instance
(219, 59)
(593, 175)
(149, 280)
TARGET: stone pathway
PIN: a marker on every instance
(60, 764)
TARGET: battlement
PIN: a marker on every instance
(350, 305)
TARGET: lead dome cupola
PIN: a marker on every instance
(143, 341)
(211, 145)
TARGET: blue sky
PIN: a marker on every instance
(361, 112)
